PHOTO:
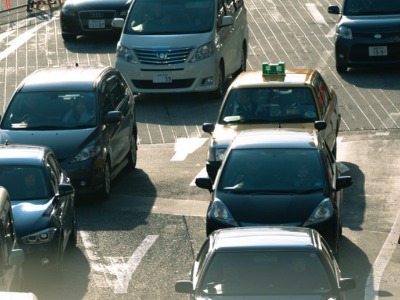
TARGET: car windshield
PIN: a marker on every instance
(371, 7)
(51, 111)
(269, 105)
(272, 170)
(24, 183)
(156, 17)
(265, 273)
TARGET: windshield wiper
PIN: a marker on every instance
(308, 191)
(42, 127)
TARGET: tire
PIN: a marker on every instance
(219, 93)
(341, 68)
(58, 272)
(243, 62)
(73, 238)
(68, 37)
(106, 186)
(132, 154)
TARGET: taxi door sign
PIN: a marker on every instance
(273, 69)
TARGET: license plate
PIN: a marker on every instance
(162, 78)
(97, 24)
(377, 51)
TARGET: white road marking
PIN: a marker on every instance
(317, 16)
(202, 173)
(384, 257)
(117, 273)
(21, 39)
(185, 146)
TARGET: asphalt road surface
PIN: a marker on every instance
(139, 242)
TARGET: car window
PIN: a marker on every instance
(323, 98)
(370, 7)
(50, 111)
(265, 272)
(261, 170)
(24, 183)
(170, 17)
(265, 105)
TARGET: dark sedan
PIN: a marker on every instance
(278, 177)
(43, 204)
(86, 115)
(367, 33)
(91, 17)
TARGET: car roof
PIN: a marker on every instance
(25, 155)
(277, 138)
(262, 237)
(62, 78)
(292, 77)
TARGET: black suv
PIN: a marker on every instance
(86, 115)
(368, 33)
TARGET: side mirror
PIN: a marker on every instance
(208, 127)
(184, 286)
(333, 9)
(343, 182)
(113, 117)
(65, 189)
(117, 23)
(227, 20)
(16, 257)
(347, 284)
(204, 183)
(320, 125)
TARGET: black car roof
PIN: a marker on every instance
(62, 78)
(23, 155)
(276, 138)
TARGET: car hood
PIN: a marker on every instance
(64, 143)
(289, 209)
(374, 23)
(97, 4)
(224, 134)
(28, 216)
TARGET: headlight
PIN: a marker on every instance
(86, 154)
(125, 54)
(219, 212)
(40, 237)
(323, 212)
(68, 12)
(344, 32)
(215, 154)
(203, 52)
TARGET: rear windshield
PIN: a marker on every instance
(371, 7)
(171, 17)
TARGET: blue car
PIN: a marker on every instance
(43, 205)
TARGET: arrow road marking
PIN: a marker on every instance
(185, 146)
(116, 273)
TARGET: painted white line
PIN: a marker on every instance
(116, 274)
(316, 15)
(121, 286)
(20, 40)
(379, 266)
(185, 146)
(202, 173)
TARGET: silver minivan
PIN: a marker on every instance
(182, 45)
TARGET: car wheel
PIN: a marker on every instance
(132, 154)
(73, 238)
(106, 186)
(341, 68)
(58, 272)
(243, 60)
(219, 93)
(68, 37)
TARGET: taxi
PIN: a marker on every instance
(273, 97)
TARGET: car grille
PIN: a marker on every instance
(162, 56)
(148, 84)
(359, 52)
(97, 15)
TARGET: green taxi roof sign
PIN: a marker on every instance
(273, 69)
